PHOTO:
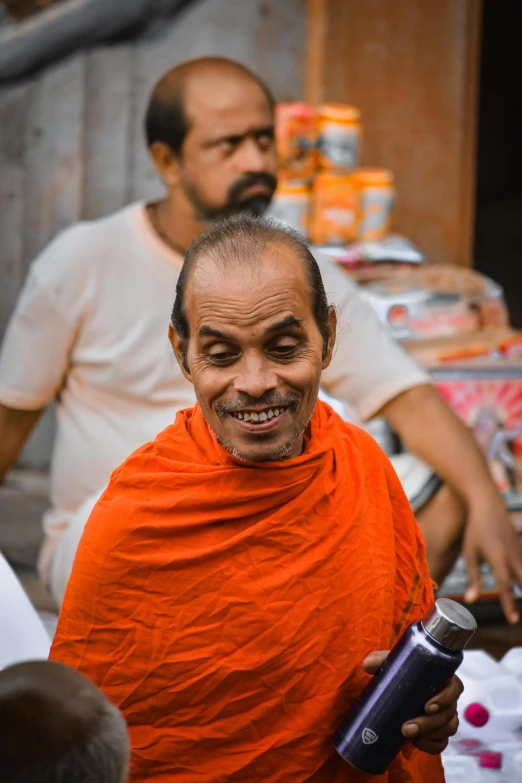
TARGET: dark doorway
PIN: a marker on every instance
(498, 228)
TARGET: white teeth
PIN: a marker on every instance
(263, 416)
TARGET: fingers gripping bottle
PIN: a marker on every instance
(419, 666)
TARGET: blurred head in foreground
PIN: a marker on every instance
(57, 727)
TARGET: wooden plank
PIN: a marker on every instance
(408, 66)
(281, 47)
(107, 129)
(65, 28)
(53, 187)
(469, 138)
(316, 58)
(54, 160)
(13, 103)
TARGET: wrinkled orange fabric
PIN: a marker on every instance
(226, 607)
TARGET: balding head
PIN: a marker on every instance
(57, 727)
(210, 131)
(168, 113)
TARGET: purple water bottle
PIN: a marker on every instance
(419, 666)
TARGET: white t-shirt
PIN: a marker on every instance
(90, 331)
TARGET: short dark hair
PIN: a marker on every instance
(228, 241)
(75, 734)
(167, 121)
(166, 117)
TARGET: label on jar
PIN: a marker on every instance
(340, 146)
(376, 205)
(290, 212)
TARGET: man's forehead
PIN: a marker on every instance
(276, 264)
(248, 293)
(228, 101)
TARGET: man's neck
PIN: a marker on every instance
(175, 223)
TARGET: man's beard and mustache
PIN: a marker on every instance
(270, 399)
(256, 205)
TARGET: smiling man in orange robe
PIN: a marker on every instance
(239, 569)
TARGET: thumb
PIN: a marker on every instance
(372, 661)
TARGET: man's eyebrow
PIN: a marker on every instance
(289, 322)
(209, 331)
(237, 138)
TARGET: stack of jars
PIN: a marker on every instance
(322, 193)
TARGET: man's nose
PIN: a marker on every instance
(255, 378)
(253, 157)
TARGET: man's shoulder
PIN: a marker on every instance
(79, 248)
(169, 449)
(104, 229)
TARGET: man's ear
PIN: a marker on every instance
(166, 163)
(332, 331)
(177, 346)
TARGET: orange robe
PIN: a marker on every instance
(226, 607)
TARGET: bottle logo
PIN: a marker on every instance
(369, 737)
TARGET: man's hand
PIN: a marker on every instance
(430, 732)
(491, 538)
(434, 433)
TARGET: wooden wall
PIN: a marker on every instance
(412, 67)
(71, 140)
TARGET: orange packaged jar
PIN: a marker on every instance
(339, 137)
(296, 139)
(291, 205)
(376, 199)
(334, 209)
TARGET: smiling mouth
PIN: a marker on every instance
(258, 417)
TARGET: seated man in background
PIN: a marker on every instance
(88, 332)
(238, 569)
(57, 727)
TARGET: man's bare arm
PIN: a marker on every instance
(15, 427)
(433, 432)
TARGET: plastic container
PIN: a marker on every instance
(291, 206)
(490, 708)
(334, 210)
(296, 139)
(460, 769)
(490, 764)
(511, 760)
(376, 200)
(512, 661)
(339, 137)
(418, 667)
(516, 766)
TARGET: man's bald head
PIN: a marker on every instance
(168, 112)
(57, 727)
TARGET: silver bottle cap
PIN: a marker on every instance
(449, 623)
